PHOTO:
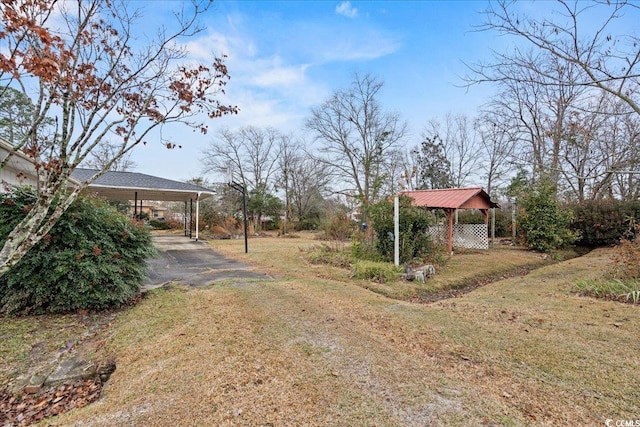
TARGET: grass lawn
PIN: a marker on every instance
(312, 347)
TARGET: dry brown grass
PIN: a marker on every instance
(310, 349)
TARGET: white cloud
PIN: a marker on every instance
(208, 47)
(276, 75)
(275, 79)
(365, 47)
(346, 9)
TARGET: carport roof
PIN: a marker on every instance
(132, 185)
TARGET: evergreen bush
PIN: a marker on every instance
(93, 258)
(415, 243)
(605, 222)
(159, 225)
(543, 224)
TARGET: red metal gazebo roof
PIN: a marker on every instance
(452, 198)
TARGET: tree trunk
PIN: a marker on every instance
(35, 225)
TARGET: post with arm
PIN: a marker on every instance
(243, 190)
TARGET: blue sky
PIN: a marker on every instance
(287, 56)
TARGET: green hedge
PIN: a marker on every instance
(605, 222)
(543, 223)
(93, 258)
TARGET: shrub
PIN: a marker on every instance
(93, 258)
(605, 222)
(626, 262)
(415, 243)
(339, 227)
(306, 224)
(174, 224)
(379, 271)
(365, 251)
(622, 280)
(543, 224)
(324, 254)
(159, 225)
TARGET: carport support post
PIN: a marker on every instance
(190, 218)
(185, 218)
(197, 214)
(396, 231)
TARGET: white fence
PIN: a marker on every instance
(469, 236)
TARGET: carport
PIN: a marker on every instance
(138, 187)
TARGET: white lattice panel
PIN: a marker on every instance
(469, 236)
(438, 234)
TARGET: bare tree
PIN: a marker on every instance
(398, 172)
(411, 167)
(288, 150)
(252, 152)
(570, 57)
(85, 67)
(460, 145)
(104, 154)
(582, 34)
(356, 136)
(497, 141)
(602, 144)
(309, 185)
(538, 110)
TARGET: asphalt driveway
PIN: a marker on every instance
(183, 260)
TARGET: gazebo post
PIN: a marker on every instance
(485, 214)
(450, 230)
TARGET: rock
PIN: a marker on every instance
(72, 369)
(105, 370)
(35, 384)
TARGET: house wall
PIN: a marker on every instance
(18, 171)
(155, 210)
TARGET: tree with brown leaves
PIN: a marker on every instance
(86, 65)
